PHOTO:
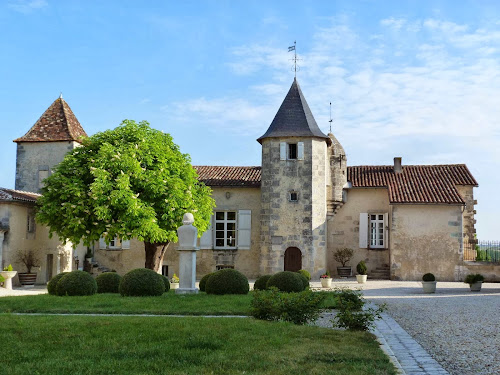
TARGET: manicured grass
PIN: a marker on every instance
(168, 304)
(169, 345)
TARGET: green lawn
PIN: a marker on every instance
(170, 345)
(168, 304)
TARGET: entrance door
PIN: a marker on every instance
(293, 259)
(50, 267)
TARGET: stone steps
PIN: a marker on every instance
(381, 273)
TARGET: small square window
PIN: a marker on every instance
(292, 151)
(293, 196)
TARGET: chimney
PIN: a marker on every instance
(397, 165)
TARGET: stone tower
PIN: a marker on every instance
(295, 160)
(44, 146)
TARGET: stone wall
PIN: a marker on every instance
(33, 157)
(469, 230)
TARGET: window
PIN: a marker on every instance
(225, 229)
(164, 270)
(114, 244)
(373, 230)
(377, 230)
(30, 223)
(292, 151)
(293, 196)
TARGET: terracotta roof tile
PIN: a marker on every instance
(17, 195)
(229, 176)
(58, 123)
(416, 183)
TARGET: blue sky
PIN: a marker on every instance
(414, 79)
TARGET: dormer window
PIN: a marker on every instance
(291, 151)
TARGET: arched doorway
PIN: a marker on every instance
(293, 259)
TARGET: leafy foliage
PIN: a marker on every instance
(286, 281)
(142, 282)
(305, 281)
(473, 278)
(352, 313)
(1, 279)
(166, 281)
(428, 277)
(261, 282)
(9, 268)
(305, 273)
(298, 308)
(52, 284)
(130, 182)
(361, 268)
(76, 283)
(108, 282)
(343, 255)
(203, 281)
(227, 281)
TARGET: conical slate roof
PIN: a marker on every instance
(58, 123)
(294, 118)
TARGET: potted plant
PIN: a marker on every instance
(429, 283)
(7, 274)
(174, 282)
(88, 255)
(361, 269)
(30, 261)
(475, 281)
(326, 280)
(343, 256)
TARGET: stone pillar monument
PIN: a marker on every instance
(188, 235)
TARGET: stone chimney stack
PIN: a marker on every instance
(398, 168)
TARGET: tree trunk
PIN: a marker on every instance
(154, 254)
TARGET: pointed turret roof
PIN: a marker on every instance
(294, 118)
(58, 123)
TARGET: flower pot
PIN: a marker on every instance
(476, 287)
(344, 271)
(429, 286)
(27, 279)
(174, 285)
(361, 278)
(326, 283)
(8, 275)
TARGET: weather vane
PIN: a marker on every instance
(330, 117)
(295, 59)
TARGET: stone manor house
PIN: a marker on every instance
(292, 212)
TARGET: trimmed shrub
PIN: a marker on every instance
(428, 277)
(76, 283)
(298, 308)
(52, 284)
(473, 278)
(203, 281)
(286, 281)
(361, 268)
(166, 281)
(142, 282)
(261, 282)
(108, 282)
(305, 281)
(227, 281)
(305, 273)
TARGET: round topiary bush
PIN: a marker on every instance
(261, 282)
(287, 281)
(142, 282)
(76, 283)
(52, 284)
(305, 281)
(305, 273)
(203, 281)
(166, 281)
(227, 281)
(428, 277)
(108, 282)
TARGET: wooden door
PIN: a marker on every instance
(293, 259)
(50, 267)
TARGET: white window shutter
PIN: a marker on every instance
(126, 244)
(386, 231)
(206, 239)
(363, 230)
(282, 150)
(300, 150)
(102, 243)
(244, 229)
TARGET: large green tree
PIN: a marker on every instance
(130, 182)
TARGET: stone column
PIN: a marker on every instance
(187, 248)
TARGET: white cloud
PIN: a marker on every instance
(27, 6)
(394, 23)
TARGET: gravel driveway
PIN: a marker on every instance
(459, 328)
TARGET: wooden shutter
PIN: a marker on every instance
(282, 150)
(206, 239)
(300, 151)
(126, 244)
(363, 230)
(102, 243)
(386, 230)
(244, 229)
